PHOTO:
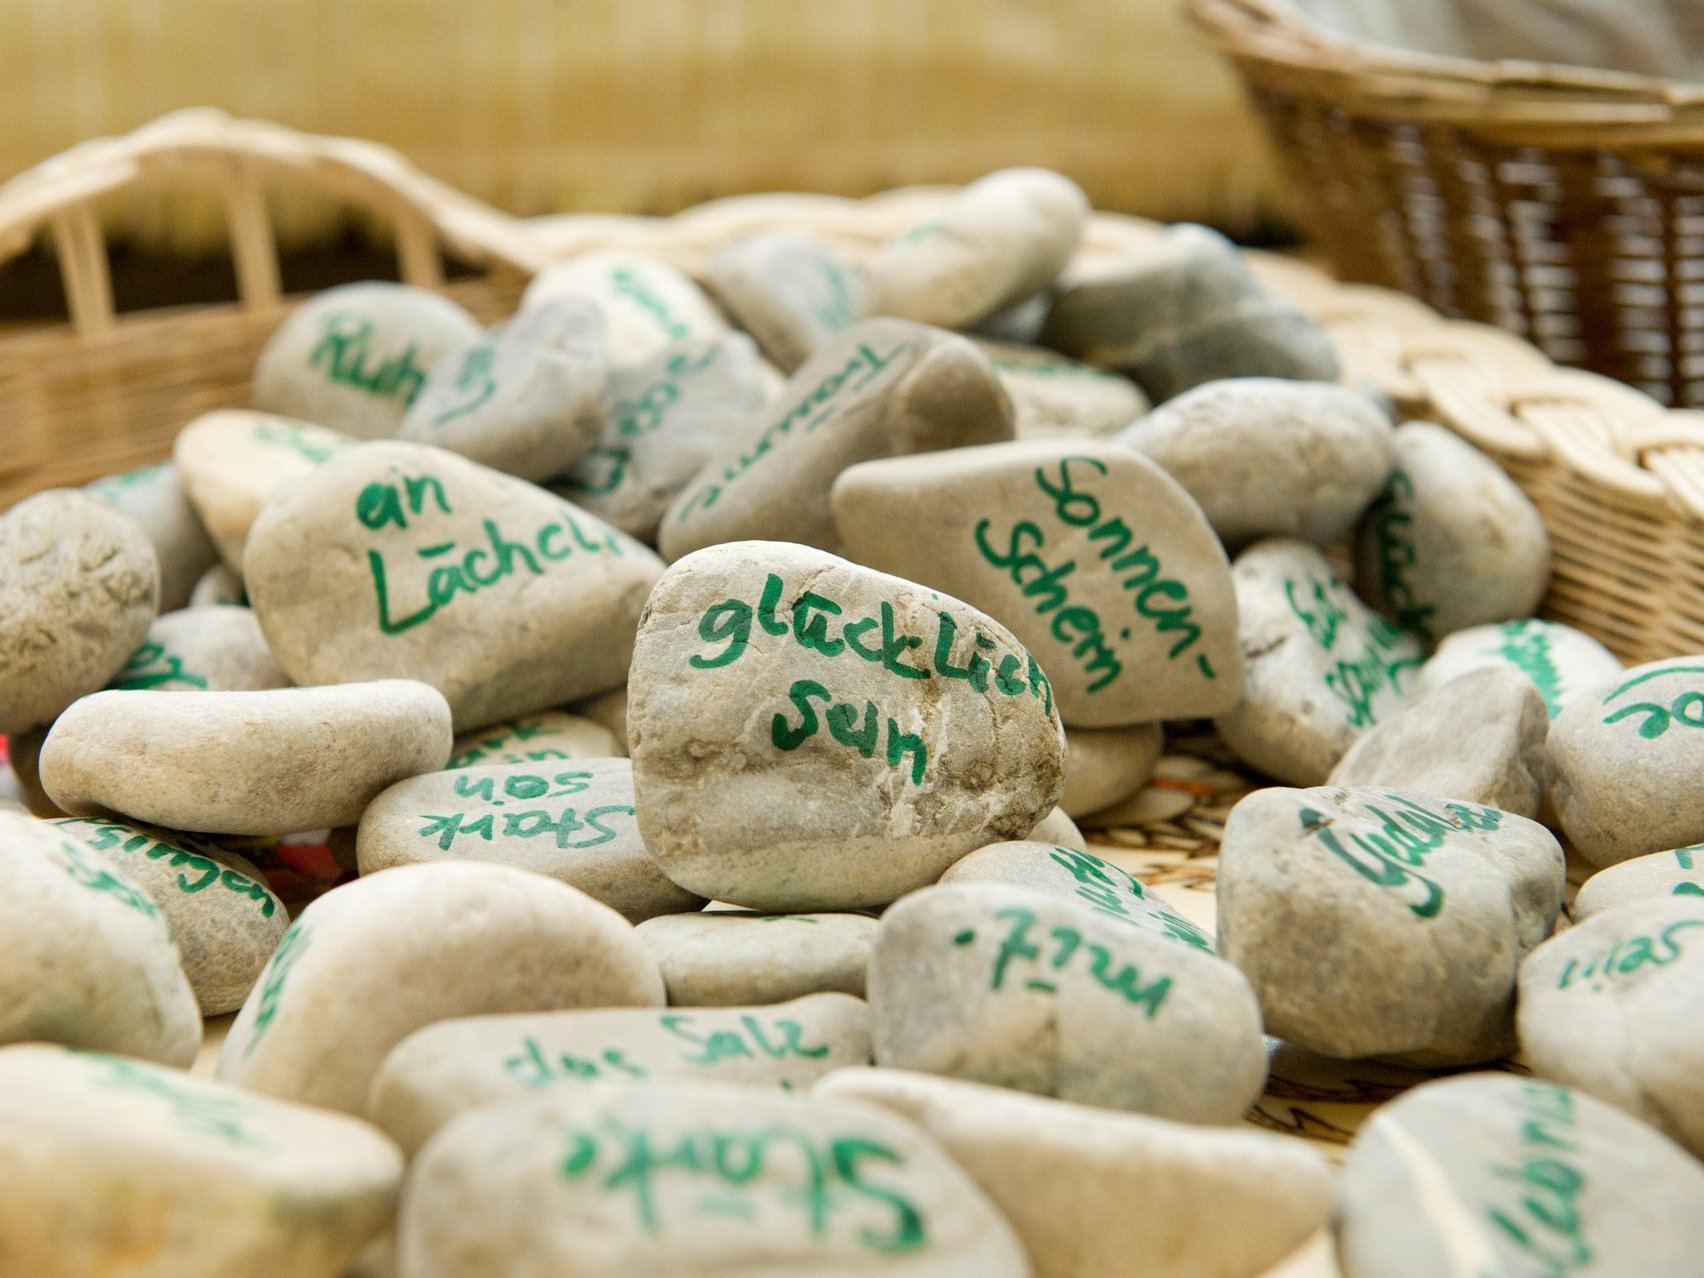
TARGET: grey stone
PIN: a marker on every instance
(450, 1067)
(89, 960)
(79, 584)
(1054, 397)
(1373, 922)
(535, 738)
(531, 604)
(1003, 238)
(1321, 667)
(675, 1181)
(812, 735)
(1451, 542)
(370, 962)
(153, 497)
(1495, 1174)
(1214, 1204)
(1058, 830)
(646, 303)
(1186, 311)
(572, 821)
(1267, 457)
(1561, 661)
(791, 292)
(1679, 872)
(1104, 766)
(884, 388)
(115, 1166)
(354, 357)
(1478, 738)
(1099, 562)
(1038, 992)
(725, 958)
(273, 762)
(218, 648)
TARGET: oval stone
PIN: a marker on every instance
(114, 1166)
(448, 1068)
(79, 584)
(1561, 661)
(219, 585)
(1653, 876)
(404, 560)
(675, 1180)
(1104, 766)
(574, 822)
(1058, 829)
(724, 958)
(1035, 991)
(154, 498)
(808, 734)
(646, 303)
(218, 648)
(370, 962)
(791, 292)
(89, 960)
(1054, 397)
(271, 762)
(354, 357)
(1098, 561)
(535, 738)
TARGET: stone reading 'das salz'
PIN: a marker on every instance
(1214, 1204)
(113, 1166)
(370, 962)
(1098, 561)
(1045, 994)
(354, 357)
(272, 762)
(78, 586)
(1658, 874)
(572, 821)
(646, 303)
(809, 734)
(453, 1066)
(218, 648)
(89, 959)
(884, 388)
(153, 497)
(1561, 662)
(789, 291)
(404, 560)
(1373, 922)
(1495, 1174)
(1003, 238)
(727, 957)
(1322, 667)
(676, 1180)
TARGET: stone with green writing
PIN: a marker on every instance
(1451, 542)
(1213, 1203)
(1104, 766)
(370, 962)
(646, 303)
(1099, 562)
(550, 736)
(79, 583)
(219, 585)
(808, 734)
(678, 1180)
(1498, 1174)
(154, 498)
(1054, 397)
(1608, 1007)
(1271, 457)
(1083, 877)
(1321, 666)
(1560, 660)
(231, 460)
(1478, 738)
(225, 918)
(1627, 762)
(573, 821)
(1044, 993)
(273, 762)
(528, 398)
(401, 559)
(884, 388)
(89, 959)
(115, 1166)
(1679, 872)
(354, 357)
(723, 958)
(1002, 239)
(1182, 311)
(1385, 923)
(218, 648)
(790, 291)
(669, 415)
(448, 1068)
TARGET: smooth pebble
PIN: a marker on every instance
(724, 958)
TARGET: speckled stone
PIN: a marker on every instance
(153, 497)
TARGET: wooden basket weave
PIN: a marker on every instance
(1564, 204)
(1619, 479)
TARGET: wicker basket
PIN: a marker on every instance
(1565, 205)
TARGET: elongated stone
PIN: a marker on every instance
(791, 292)
(543, 738)
(1054, 397)
(724, 958)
